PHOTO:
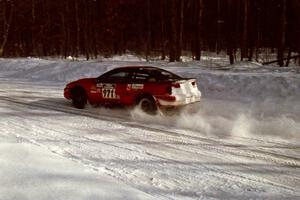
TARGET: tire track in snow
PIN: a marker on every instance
(125, 119)
(277, 158)
(171, 160)
(251, 153)
(217, 172)
(79, 158)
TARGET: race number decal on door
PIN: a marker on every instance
(109, 91)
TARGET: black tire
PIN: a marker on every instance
(79, 98)
(148, 105)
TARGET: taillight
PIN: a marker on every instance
(169, 90)
(176, 85)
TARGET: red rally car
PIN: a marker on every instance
(149, 87)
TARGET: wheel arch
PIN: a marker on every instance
(144, 95)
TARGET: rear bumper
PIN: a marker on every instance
(180, 100)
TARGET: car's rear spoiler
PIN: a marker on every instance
(185, 79)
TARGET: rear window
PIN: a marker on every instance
(163, 75)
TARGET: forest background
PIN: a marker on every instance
(243, 29)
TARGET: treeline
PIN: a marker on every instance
(149, 27)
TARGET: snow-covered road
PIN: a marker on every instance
(210, 154)
(242, 141)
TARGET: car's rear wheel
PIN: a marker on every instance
(148, 105)
(79, 98)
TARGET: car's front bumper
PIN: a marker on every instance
(67, 93)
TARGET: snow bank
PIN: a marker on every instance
(249, 86)
(124, 57)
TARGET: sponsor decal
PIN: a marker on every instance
(135, 86)
(93, 90)
(99, 85)
(108, 86)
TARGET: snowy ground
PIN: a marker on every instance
(241, 142)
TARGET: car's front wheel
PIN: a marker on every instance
(79, 98)
(148, 105)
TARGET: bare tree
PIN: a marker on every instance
(148, 29)
(199, 6)
(77, 28)
(172, 32)
(282, 34)
(230, 30)
(9, 7)
(89, 27)
(179, 23)
(244, 48)
(162, 33)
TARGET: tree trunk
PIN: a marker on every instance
(7, 25)
(258, 34)
(180, 30)
(198, 30)
(87, 26)
(280, 50)
(289, 57)
(64, 36)
(162, 31)
(78, 29)
(218, 27)
(69, 46)
(33, 27)
(173, 32)
(148, 30)
(244, 50)
(230, 31)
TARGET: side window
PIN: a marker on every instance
(120, 75)
(142, 77)
(115, 77)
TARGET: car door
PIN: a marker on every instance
(139, 82)
(111, 86)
